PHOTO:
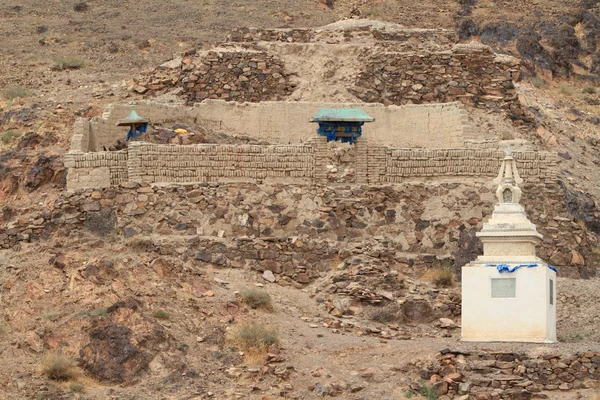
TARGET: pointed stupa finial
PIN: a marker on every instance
(508, 180)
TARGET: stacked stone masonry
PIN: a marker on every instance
(411, 226)
(506, 375)
(235, 76)
(469, 73)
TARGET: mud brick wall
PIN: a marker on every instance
(299, 35)
(153, 163)
(235, 76)
(470, 73)
(96, 170)
(495, 375)
(389, 165)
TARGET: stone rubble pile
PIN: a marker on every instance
(490, 375)
(297, 231)
(470, 73)
(231, 75)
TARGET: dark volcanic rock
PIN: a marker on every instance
(47, 169)
(119, 352)
(101, 222)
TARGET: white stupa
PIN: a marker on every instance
(508, 293)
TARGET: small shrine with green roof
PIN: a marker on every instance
(341, 124)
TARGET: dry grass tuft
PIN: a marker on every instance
(254, 340)
(538, 82)
(589, 90)
(67, 63)
(566, 89)
(76, 387)
(442, 276)
(9, 135)
(161, 314)
(58, 367)
(15, 92)
(255, 298)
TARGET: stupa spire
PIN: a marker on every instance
(508, 180)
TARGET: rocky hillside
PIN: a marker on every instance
(268, 292)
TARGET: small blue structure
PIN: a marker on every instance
(136, 125)
(341, 124)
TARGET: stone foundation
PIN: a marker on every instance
(502, 375)
(411, 227)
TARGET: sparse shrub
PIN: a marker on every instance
(76, 387)
(507, 136)
(442, 276)
(255, 298)
(51, 316)
(589, 90)
(68, 63)
(409, 394)
(160, 314)
(15, 92)
(80, 7)
(566, 89)
(538, 82)
(9, 135)
(140, 244)
(386, 314)
(253, 339)
(428, 393)
(99, 312)
(58, 367)
(374, 12)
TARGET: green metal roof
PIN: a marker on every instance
(341, 115)
(133, 118)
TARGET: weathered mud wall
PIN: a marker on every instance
(432, 125)
(305, 163)
(152, 163)
(97, 169)
(389, 165)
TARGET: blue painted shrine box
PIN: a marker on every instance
(341, 124)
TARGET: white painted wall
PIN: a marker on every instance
(528, 317)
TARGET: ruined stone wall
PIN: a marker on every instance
(235, 76)
(409, 226)
(389, 165)
(469, 73)
(495, 375)
(154, 163)
(441, 37)
(96, 170)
